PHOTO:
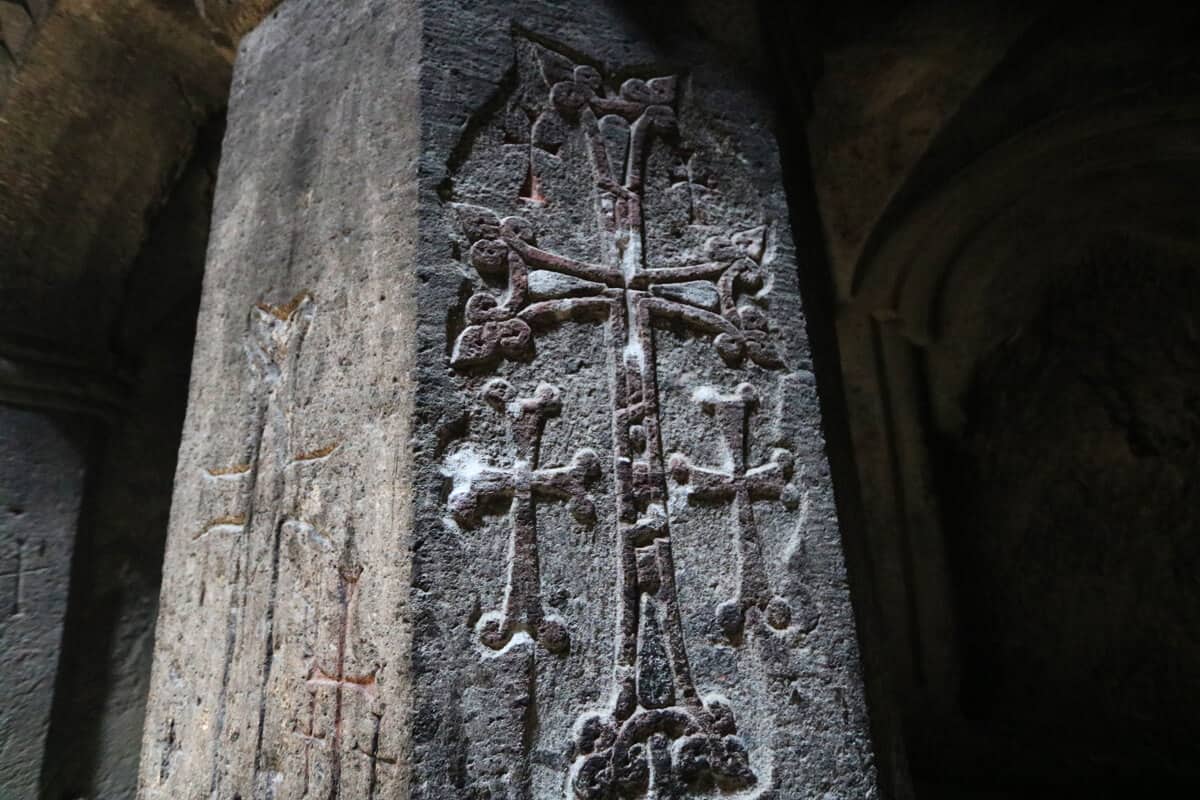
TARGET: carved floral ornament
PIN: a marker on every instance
(659, 736)
(724, 296)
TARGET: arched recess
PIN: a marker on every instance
(1078, 156)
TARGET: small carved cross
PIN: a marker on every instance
(319, 678)
(741, 486)
(475, 483)
(273, 343)
(19, 576)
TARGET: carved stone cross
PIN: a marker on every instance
(338, 679)
(722, 296)
(476, 483)
(741, 486)
(472, 201)
(19, 575)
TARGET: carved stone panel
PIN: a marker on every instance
(626, 311)
(493, 485)
(41, 488)
(280, 665)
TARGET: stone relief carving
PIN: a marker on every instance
(256, 485)
(741, 487)
(659, 737)
(477, 481)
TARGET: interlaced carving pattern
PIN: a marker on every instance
(659, 735)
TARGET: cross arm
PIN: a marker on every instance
(702, 483)
(474, 482)
(548, 312)
(698, 318)
(709, 270)
(538, 258)
(570, 483)
(771, 481)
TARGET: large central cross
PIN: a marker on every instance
(626, 751)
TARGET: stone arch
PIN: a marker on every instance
(1077, 146)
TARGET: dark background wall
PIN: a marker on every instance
(1008, 195)
(99, 699)
(109, 138)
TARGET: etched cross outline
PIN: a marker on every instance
(658, 736)
(525, 480)
(741, 486)
(338, 678)
(273, 344)
(19, 574)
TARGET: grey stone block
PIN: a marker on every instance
(482, 493)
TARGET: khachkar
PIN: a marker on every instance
(502, 475)
(659, 735)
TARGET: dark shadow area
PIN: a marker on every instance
(1008, 205)
(1073, 487)
(789, 32)
(99, 700)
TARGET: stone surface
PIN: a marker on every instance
(41, 487)
(448, 527)
(100, 108)
(97, 121)
(94, 131)
(19, 23)
(233, 19)
(281, 664)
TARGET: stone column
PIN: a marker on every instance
(503, 473)
(41, 485)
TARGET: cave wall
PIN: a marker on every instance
(109, 135)
(1008, 198)
(100, 696)
(1078, 536)
(1005, 193)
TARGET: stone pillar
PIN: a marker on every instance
(503, 473)
(41, 485)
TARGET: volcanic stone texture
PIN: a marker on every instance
(503, 474)
(41, 487)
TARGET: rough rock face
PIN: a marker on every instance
(41, 486)
(502, 475)
(19, 22)
(99, 699)
(100, 105)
